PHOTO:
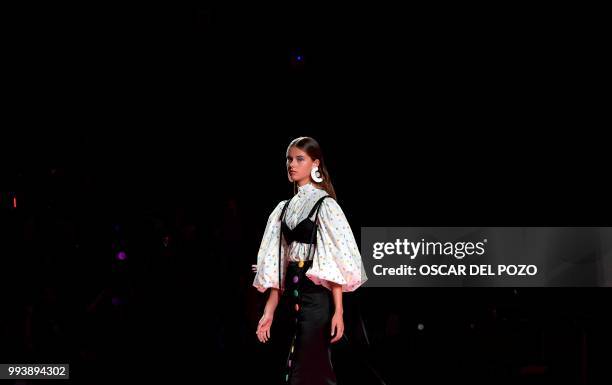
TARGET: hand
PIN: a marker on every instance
(337, 327)
(263, 327)
(254, 268)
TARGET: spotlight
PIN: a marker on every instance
(297, 59)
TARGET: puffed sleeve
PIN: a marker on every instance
(267, 257)
(337, 258)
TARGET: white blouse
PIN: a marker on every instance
(336, 257)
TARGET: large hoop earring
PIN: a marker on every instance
(316, 175)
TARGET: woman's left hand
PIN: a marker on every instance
(337, 327)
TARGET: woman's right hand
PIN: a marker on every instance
(263, 327)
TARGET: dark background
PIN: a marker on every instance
(163, 121)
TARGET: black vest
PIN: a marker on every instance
(304, 232)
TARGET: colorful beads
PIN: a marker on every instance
(296, 294)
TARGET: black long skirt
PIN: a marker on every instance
(307, 309)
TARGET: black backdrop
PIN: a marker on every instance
(154, 121)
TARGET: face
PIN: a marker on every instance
(299, 165)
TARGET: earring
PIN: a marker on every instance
(316, 175)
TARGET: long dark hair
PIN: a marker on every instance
(313, 149)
